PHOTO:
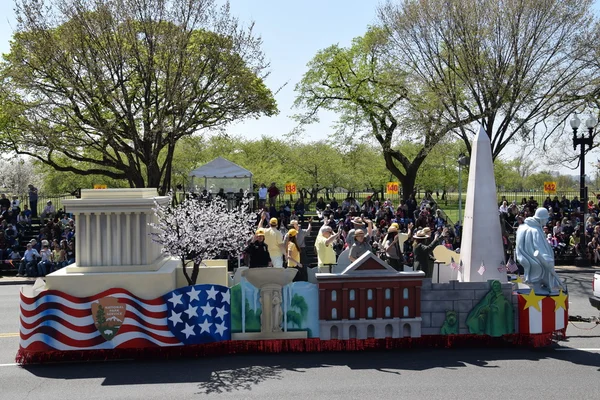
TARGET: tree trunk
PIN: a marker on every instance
(154, 174)
(408, 183)
(195, 272)
(168, 172)
(185, 274)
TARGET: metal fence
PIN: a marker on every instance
(43, 200)
(539, 196)
(339, 195)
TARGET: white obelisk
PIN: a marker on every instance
(482, 235)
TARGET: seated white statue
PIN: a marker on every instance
(536, 255)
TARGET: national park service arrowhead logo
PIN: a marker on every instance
(108, 316)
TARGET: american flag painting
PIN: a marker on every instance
(200, 313)
(545, 314)
(115, 318)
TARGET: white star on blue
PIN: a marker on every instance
(191, 314)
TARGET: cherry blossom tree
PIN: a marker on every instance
(200, 229)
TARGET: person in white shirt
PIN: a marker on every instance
(262, 195)
(274, 241)
(44, 266)
(49, 211)
(29, 256)
(15, 203)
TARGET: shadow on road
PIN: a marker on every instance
(242, 373)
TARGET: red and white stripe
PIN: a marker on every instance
(545, 321)
(54, 320)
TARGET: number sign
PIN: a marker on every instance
(392, 188)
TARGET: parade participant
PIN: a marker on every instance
(274, 241)
(359, 224)
(359, 247)
(258, 251)
(300, 237)
(422, 252)
(391, 245)
(324, 245)
(293, 256)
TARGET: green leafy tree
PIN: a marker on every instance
(110, 87)
(376, 100)
(439, 172)
(514, 64)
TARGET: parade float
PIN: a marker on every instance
(126, 298)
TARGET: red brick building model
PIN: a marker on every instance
(370, 300)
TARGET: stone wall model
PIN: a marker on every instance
(461, 297)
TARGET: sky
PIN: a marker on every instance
(292, 33)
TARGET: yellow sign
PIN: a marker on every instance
(290, 188)
(392, 188)
(550, 187)
(100, 187)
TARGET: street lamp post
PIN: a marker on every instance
(462, 161)
(582, 141)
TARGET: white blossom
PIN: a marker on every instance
(200, 229)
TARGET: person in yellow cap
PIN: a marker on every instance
(300, 237)
(274, 241)
(293, 256)
(258, 251)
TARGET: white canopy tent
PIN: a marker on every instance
(221, 173)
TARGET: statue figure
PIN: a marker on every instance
(277, 314)
(450, 326)
(536, 255)
(493, 315)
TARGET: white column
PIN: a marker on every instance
(88, 248)
(144, 238)
(154, 247)
(109, 255)
(135, 239)
(128, 238)
(78, 227)
(118, 244)
(98, 245)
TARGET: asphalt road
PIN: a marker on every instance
(570, 369)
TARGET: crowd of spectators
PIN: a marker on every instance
(382, 222)
(565, 226)
(35, 246)
(373, 225)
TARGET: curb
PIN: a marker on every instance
(16, 282)
(577, 270)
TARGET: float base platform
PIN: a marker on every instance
(290, 346)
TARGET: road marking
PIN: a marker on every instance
(582, 349)
(9, 365)
(12, 334)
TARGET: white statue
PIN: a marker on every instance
(277, 314)
(536, 255)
